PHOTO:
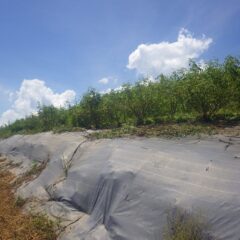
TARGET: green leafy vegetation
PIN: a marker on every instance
(20, 202)
(208, 94)
(44, 226)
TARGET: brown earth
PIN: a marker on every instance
(16, 225)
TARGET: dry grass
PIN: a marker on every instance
(164, 130)
(183, 225)
(167, 131)
(14, 224)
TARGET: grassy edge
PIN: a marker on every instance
(167, 130)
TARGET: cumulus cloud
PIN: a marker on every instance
(107, 80)
(104, 80)
(30, 95)
(166, 57)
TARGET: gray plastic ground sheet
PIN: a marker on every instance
(123, 189)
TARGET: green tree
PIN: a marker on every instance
(205, 89)
(90, 109)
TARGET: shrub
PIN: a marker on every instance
(183, 225)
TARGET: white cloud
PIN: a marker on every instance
(166, 57)
(107, 80)
(30, 95)
(104, 80)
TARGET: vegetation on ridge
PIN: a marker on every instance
(211, 93)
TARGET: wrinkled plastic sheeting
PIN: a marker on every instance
(125, 187)
(54, 149)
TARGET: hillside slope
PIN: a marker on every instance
(123, 188)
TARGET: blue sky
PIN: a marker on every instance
(72, 44)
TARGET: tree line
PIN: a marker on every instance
(200, 93)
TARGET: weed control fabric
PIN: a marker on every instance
(123, 189)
